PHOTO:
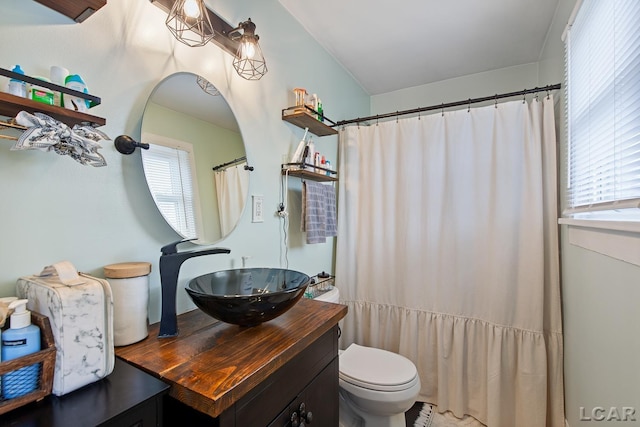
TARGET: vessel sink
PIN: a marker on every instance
(247, 296)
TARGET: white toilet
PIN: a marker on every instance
(376, 386)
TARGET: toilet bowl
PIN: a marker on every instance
(376, 387)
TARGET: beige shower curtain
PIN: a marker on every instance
(232, 185)
(447, 253)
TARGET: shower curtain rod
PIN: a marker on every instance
(442, 106)
(232, 162)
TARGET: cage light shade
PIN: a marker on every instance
(249, 61)
(207, 86)
(189, 22)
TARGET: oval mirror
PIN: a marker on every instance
(195, 166)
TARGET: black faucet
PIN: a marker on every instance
(170, 262)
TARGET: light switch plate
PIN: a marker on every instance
(257, 212)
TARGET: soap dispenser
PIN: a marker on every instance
(17, 87)
(21, 339)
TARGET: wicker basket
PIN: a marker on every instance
(45, 360)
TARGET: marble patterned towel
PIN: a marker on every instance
(47, 134)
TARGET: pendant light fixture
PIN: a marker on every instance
(192, 23)
(189, 22)
(249, 61)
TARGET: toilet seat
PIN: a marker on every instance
(376, 369)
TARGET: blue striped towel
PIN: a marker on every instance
(318, 211)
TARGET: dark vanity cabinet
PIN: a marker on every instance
(317, 404)
(128, 397)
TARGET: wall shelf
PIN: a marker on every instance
(78, 10)
(297, 170)
(11, 105)
(305, 118)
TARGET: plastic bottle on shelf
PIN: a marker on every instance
(21, 339)
(327, 164)
(314, 103)
(17, 87)
(75, 82)
(320, 111)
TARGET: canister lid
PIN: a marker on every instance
(126, 270)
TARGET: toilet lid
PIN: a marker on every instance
(376, 368)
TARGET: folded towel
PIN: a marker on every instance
(318, 211)
(47, 134)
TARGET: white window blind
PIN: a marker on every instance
(169, 177)
(603, 101)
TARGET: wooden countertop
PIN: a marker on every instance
(210, 365)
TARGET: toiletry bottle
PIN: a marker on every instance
(327, 164)
(320, 111)
(312, 154)
(21, 339)
(17, 87)
(298, 154)
(314, 103)
(75, 82)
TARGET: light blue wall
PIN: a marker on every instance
(55, 209)
(478, 85)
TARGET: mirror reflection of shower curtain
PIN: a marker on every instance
(447, 253)
(232, 186)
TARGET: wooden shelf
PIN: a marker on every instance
(297, 171)
(78, 10)
(303, 119)
(11, 105)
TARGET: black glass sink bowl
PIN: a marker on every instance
(247, 296)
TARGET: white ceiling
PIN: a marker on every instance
(391, 45)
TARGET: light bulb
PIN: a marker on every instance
(249, 49)
(191, 8)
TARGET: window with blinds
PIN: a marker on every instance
(170, 180)
(603, 110)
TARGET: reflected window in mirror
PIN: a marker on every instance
(170, 170)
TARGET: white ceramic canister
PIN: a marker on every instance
(130, 287)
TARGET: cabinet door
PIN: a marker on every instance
(318, 402)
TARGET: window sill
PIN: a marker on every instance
(617, 239)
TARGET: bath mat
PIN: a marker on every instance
(427, 415)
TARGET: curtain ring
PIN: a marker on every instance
(377, 119)
(524, 96)
(537, 99)
(496, 101)
(469, 107)
(397, 113)
(548, 94)
(442, 109)
(418, 114)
